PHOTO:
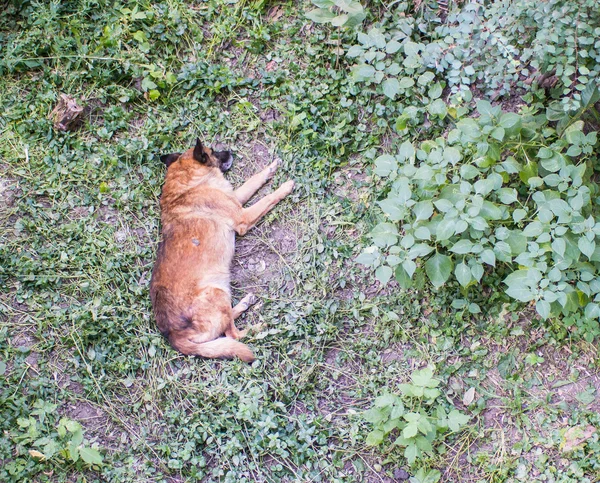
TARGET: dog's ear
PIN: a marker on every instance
(199, 154)
(169, 159)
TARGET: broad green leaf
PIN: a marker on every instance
(422, 233)
(463, 274)
(385, 400)
(419, 250)
(462, 247)
(456, 420)
(590, 95)
(375, 438)
(406, 82)
(90, 455)
(470, 129)
(397, 410)
(545, 153)
(323, 3)
(468, 171)
(423, 210)
(488, 256)
(543, 308)
(438, 108)
(498, 133)
(411, 453)
(424, 378)
(383, 274)
(410, 430)
(435, 91)
(519, 214)
(425, 476)
(385, 164)
(586, 246)
(148, 84)
(367, 258)
(522, 294)
(452, 155)
(477, 271)
(364, 72)
(490, 211)
(554, 164)
(403, 279)
(340, 20)
(411, 49)
(573, 131)
(407, 151)
(509, 120)
(355, 51)
(393, 208)
(507, 195)
(385, 234)
(445, 229)
(530, 170)
(410, 267)
(320, 15)
(484, 107)
(426, 78)
(393, 46)
(438, 269)
(534, 229)
(401, 123)
(403, 190)
(391, 87)
(374, 415)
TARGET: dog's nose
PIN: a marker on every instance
(227, 164)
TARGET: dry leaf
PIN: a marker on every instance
(469, 397)
(67, 114)
(575, 437)
(276, 13)
(37, 454)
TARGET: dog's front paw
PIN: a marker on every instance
(287, 187)
(270, 171)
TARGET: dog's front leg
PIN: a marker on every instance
(252, 185)
(250, 216)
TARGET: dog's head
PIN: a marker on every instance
(203, 155)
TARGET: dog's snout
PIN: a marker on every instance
(225, 158)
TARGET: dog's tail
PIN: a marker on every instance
(223, 347)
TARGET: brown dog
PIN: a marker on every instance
(200, 214)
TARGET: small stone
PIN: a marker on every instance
(401, 475)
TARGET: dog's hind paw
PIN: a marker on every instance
(249, 300)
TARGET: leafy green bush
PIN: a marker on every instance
(524, 38)
(37, 443)
(417, 414)
(501, 194)
(339, 13)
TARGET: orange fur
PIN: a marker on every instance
(190, 286)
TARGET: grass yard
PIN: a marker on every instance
(498, 390)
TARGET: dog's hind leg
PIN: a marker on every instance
(238, 310)
(254, 183)
(250, 216)
(243, 305)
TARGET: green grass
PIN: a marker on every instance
(79, 224)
